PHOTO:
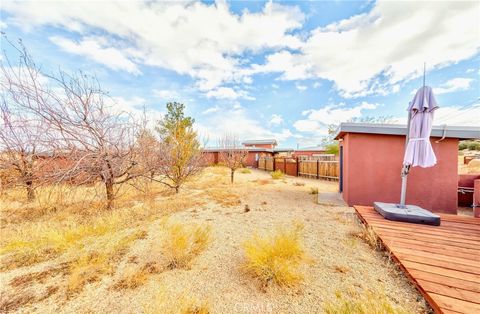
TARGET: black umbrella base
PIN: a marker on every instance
(411, 214)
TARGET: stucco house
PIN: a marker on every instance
(371, 157)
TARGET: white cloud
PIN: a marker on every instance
(372, 53)
(275, 86)
(228, 93)
(166, 94)
(453, 85)
(211, 110)
(275, 119)
(470, 70)
(458, 115)
(93, 48)
(204, 41)
(318, 120)
(301, 87)
(317, 84)
(236, 121)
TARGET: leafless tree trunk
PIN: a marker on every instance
(232, 154)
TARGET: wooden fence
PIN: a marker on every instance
(321, 167)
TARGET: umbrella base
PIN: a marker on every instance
(410, 213)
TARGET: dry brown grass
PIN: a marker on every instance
(169, 303)
(263, 181)
(182, 243)
(368, 235)
(87, 269)
(277, 258)
(223, 197)
(31, 242)
(132, 277)
(366, 303)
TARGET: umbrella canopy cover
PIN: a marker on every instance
(419, 151)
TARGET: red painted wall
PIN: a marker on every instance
(251, 161)
(371, 172)
(269, 146)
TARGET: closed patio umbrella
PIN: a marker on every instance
(418, 152)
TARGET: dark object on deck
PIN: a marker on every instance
(410, 213)
(247, 209)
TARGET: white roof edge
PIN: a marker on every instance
(266, 141)
(450, 131)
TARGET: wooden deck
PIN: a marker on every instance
(443, 262)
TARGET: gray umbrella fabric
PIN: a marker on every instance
(419, 151)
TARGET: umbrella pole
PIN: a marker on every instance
(405, 168)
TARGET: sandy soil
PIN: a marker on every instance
(342, 263)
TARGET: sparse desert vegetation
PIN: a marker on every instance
(198, 251)
(277, 175)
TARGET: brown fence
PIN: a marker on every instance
(321, 167)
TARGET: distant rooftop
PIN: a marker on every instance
(449, 131)
(313, 148)
(260, 142)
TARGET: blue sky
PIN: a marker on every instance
(283, 70)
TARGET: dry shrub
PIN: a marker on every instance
(277, 258)
(167, 303)
(91, 265)
(313, 190)
(296, 183)
(223, 197)
(182, 243)
(367, 303)
(370, 237)
(87, 269)
(245, 170)
(277, 174)
(132, 277)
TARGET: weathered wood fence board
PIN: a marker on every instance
(325, 167)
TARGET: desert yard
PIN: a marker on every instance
(161, 252)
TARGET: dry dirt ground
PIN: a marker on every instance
(341, 264)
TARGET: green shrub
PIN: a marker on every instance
(277, 174)
(246, 170)
(471, 145)
(313, 191)
(474, 146)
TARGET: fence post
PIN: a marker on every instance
(273, 162)
(285, 165)
(318, 169)
(297, 167)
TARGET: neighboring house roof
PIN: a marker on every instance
(250, 149)
(311, 149)
(260, 142)
(460, 132)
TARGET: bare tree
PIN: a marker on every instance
(181, 157)
(22, 139)
(232, 154)
(97, 139)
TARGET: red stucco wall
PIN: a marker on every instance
(371, 172)
(268, 146)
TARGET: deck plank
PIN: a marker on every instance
(443, 262)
